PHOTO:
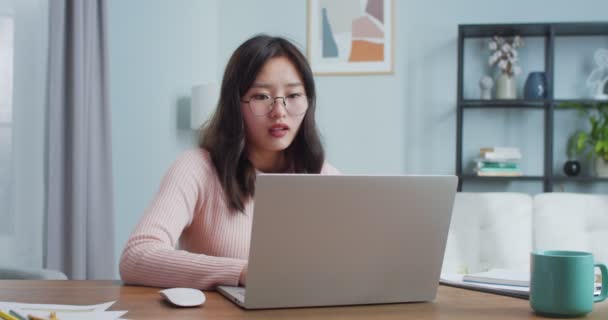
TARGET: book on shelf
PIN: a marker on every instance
(499, 174)
(499, 149)
(484, 169)
(500, 153)
(497, 170)
(500, 157)
(484, 164)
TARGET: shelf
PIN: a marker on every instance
(505, 30)
(581, 29)
(546, 43)
(476, 177)
(521, 104)
(583, 101)
(525, 104)
(580, 179)
(535, 29)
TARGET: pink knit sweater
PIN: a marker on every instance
(189, 211)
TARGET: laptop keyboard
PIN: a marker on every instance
(238, 293)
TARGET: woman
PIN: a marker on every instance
(264, 122)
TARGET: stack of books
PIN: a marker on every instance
(498, 162)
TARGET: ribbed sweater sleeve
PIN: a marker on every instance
(188, 237)
(151, 256)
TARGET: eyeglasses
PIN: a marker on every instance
(261, 104)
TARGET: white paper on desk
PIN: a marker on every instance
(513, 291)
(96, 315)
(64, 312)
(56, 307)
(456, 280)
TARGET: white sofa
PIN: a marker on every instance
(499, 230)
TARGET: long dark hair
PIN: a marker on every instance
(224, 135)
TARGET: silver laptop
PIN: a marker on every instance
(321, 240)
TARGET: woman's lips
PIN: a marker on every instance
(278, 130)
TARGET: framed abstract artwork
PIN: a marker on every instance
(347, 37)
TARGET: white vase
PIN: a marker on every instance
(601, 167)
(505, 87)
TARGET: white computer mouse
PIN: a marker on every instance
(184, 297)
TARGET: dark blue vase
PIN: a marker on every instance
(536, 86)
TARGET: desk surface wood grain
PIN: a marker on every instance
(146, 303)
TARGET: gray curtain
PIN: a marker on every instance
(80, 217)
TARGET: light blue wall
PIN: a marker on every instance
(360, 118)
(158, 49)
(400, 123)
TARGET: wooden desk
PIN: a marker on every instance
(145, 303)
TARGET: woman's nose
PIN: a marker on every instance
(279, 109)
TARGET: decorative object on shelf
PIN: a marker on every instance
(572, 167)
(498, 162)
(486, 83)
(536, 86)
(598, 79)
(595, 141)
(505, 56)
(506, 87)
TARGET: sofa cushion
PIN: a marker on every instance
(14, 273)
(489, 230)
(569, 221)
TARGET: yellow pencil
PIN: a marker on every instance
(6, 316)
(16, 315)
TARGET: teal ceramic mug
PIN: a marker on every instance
(562, 283)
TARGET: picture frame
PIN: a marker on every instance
(352, 37)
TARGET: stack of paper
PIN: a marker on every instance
(500, 276)
(63, 312)
(499, 281)
(456, 280)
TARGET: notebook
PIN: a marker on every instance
(321, 240)
(455, 280)
(500, 276)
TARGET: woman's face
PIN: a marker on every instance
(274, 131)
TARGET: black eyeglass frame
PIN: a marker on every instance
(274, 100)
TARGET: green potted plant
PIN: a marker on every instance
(594, 141)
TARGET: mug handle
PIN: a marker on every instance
(604, 292)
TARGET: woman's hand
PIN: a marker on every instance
(243, 276)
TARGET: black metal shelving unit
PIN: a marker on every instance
(548, 31)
